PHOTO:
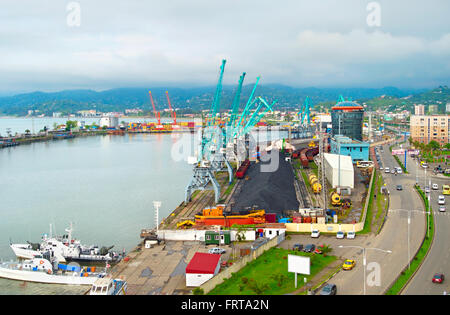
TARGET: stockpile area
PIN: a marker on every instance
(273, 191)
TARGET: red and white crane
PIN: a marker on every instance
(157, 115)
(173, 114)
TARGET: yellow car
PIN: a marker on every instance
(348, 264)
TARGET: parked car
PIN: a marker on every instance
(348, 264)
(297, 247)
(217, 250)
(309, 248)
(424, 165)
(441, 208)
(427, 189)
(399, 187)
(393, 171)
(441, 200)
(315, 233)
(438, 278)
(328, 289)
(435, 186)
(351, 235)
(387, 170)
(340, 234)
(399, 170)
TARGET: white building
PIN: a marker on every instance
(332, 166)
(109, 121)
(201, 268)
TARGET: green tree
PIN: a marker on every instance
(71, 124)
(447, 146)
(434, 145)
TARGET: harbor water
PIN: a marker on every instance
(105, 185)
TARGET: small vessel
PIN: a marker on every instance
(65, 248)
(41, 270)
(108, 286)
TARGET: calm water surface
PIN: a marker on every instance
(105, 185)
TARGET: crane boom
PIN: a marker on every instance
(154, 109)
(172, 112)
(216, 102)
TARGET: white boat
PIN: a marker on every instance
(109, 286)
(65, 248)
(41, 270)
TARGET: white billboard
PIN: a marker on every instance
(299, 264)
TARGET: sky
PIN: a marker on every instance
(52, 45)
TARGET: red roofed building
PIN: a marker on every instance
(201, 268)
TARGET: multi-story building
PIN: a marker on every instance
(433, 109)
(347, 120)
(419, 109)
(427, 128)
(447, 108)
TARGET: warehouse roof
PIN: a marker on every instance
(203, 263)
(333, 160)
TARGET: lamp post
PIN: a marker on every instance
(364, 249)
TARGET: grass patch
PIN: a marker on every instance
(368, 223)
(268, 274)
(417, 260)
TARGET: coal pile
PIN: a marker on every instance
(273, 191)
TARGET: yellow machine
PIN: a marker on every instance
(315, 185)
(185, 223)
(312, 144)
(337, 201)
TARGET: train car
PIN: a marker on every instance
(303, 159)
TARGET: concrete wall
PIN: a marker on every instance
(330, 228)
(198, 235)
(226, 273)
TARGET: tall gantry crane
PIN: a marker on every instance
(305, 113)
(214, 139)
(157, 115)
(173, 114)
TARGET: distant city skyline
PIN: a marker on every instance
(62, 45)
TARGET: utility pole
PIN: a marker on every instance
(157, 204)
(321, 168)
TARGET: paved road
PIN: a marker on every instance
(393, 237)
(438, 259)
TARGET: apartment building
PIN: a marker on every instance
(419, 109)
(427, 128)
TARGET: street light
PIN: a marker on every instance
(364, 258)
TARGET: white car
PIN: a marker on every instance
(441, 209)
(381, 168)
(435, 186)
(441, 200)
(387, 170)
(399, 170)
(217, 250)
(351, 235)
(315, 233)
(340, 234)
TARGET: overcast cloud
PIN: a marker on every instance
(322, 43)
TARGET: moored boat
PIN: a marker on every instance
(41, 270)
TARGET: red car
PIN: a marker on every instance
(318, 249)
(438, 278)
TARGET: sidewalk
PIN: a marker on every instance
(324, 275)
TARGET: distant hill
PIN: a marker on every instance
(439, 96)
(71, 101)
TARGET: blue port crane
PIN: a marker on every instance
(305, 112)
